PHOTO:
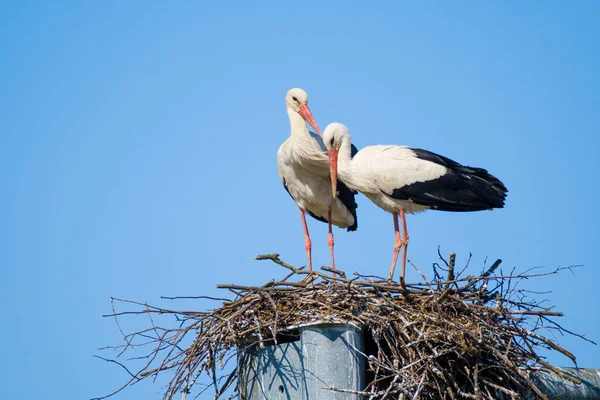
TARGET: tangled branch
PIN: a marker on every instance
(471, 337)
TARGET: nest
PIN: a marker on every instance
(477, 337)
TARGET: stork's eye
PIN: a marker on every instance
(331, 142)
(295, 99)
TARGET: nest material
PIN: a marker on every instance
(473, 337)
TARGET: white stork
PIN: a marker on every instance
(403, 180)
(304, 171)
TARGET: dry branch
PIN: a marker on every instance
(464, 337)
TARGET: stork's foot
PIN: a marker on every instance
(309, 279)
(390, 278)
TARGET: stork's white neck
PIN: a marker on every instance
(305, 148)
(297, 125)
(345, 162)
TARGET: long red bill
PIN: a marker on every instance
(333, 164)
(308, 117)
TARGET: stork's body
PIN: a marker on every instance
(303, 167)
(403, 180)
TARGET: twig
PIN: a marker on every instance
(466, 337)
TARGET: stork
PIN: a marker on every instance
(303, 167)
(404, 180)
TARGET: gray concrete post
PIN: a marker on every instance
(558, 388)
(326, 355)
(330, 359)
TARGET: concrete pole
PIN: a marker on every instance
(556, 387)
(329, 355)
(330, 359)
(323, 355)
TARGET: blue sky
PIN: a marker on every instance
(138, 155)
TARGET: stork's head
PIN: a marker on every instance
(296, 100)
(335, 134)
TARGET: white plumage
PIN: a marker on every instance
(403, 180)
(378, 170)
(303, 167)
(310, 190)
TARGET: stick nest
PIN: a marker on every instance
(476, 337)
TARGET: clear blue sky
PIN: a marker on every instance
(138, 154)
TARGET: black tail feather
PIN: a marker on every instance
(346, 195)
(462, 188)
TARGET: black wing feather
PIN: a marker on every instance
(346, 196)
(462, 188)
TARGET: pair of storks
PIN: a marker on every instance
(323, 172)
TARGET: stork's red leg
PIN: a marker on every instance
(307, 243)
(330, 238)
(397, 245)
(404, 244)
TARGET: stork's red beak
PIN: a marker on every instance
(333, 166)
(304, 111)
